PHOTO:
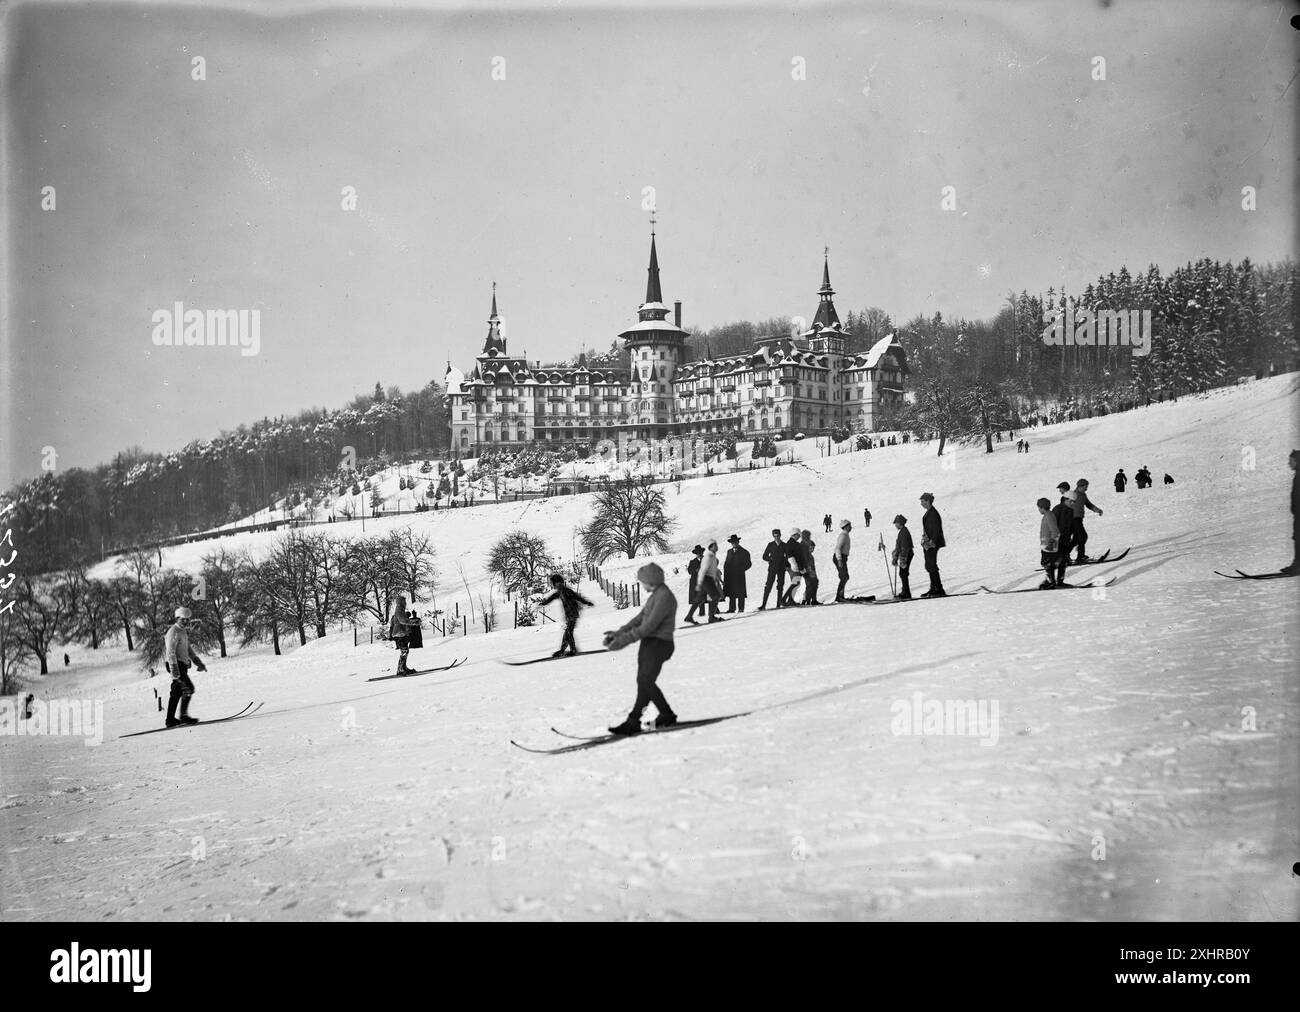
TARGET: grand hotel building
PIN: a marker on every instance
(784, 386)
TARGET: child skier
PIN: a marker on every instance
(902, 557)
(1049, 543)
(177, 656)
(653, 626)
(572, 602)
(399, 629)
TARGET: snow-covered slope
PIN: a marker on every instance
(1142, 765)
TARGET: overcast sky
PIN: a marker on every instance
(226, 193)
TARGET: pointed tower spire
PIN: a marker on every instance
(653, 293)
(826, 316)
(653, 308)
(495, 342)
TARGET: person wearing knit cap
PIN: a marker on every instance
(653, 627)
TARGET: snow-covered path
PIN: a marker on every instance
(1125, 780)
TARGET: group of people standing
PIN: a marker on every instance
(1142, 479)
(1062, 529)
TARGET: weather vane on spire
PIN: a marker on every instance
(826, 251)
(652, 222)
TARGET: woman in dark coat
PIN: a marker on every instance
(734, 567)
(693, 594)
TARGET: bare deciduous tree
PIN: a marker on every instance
(626, 518)
(520, 559)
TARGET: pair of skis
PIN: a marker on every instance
(1104, 557)
(1279, 575)
(247, 711)
(1059, 586)
(426, 671)
(553, 657)
(582, 742)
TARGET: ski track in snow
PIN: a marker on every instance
(1120, 722)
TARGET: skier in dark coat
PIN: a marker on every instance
(653, 626)
(866, 517)
(399, 629)
(1121, 479)
(931, 541)
(902, 557)
(572, 602)
(1078, 534)
(774, 556)
(1064, 513)
(811, 582)
(826, 522)
(734, 567)
(693, 595)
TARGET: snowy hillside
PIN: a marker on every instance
(1142, 763)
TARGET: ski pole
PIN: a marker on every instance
(888, 578)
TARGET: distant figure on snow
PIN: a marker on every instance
(826, 522)
(66, 660)
(866, 517)
(1121, 479)
(1169, 479)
